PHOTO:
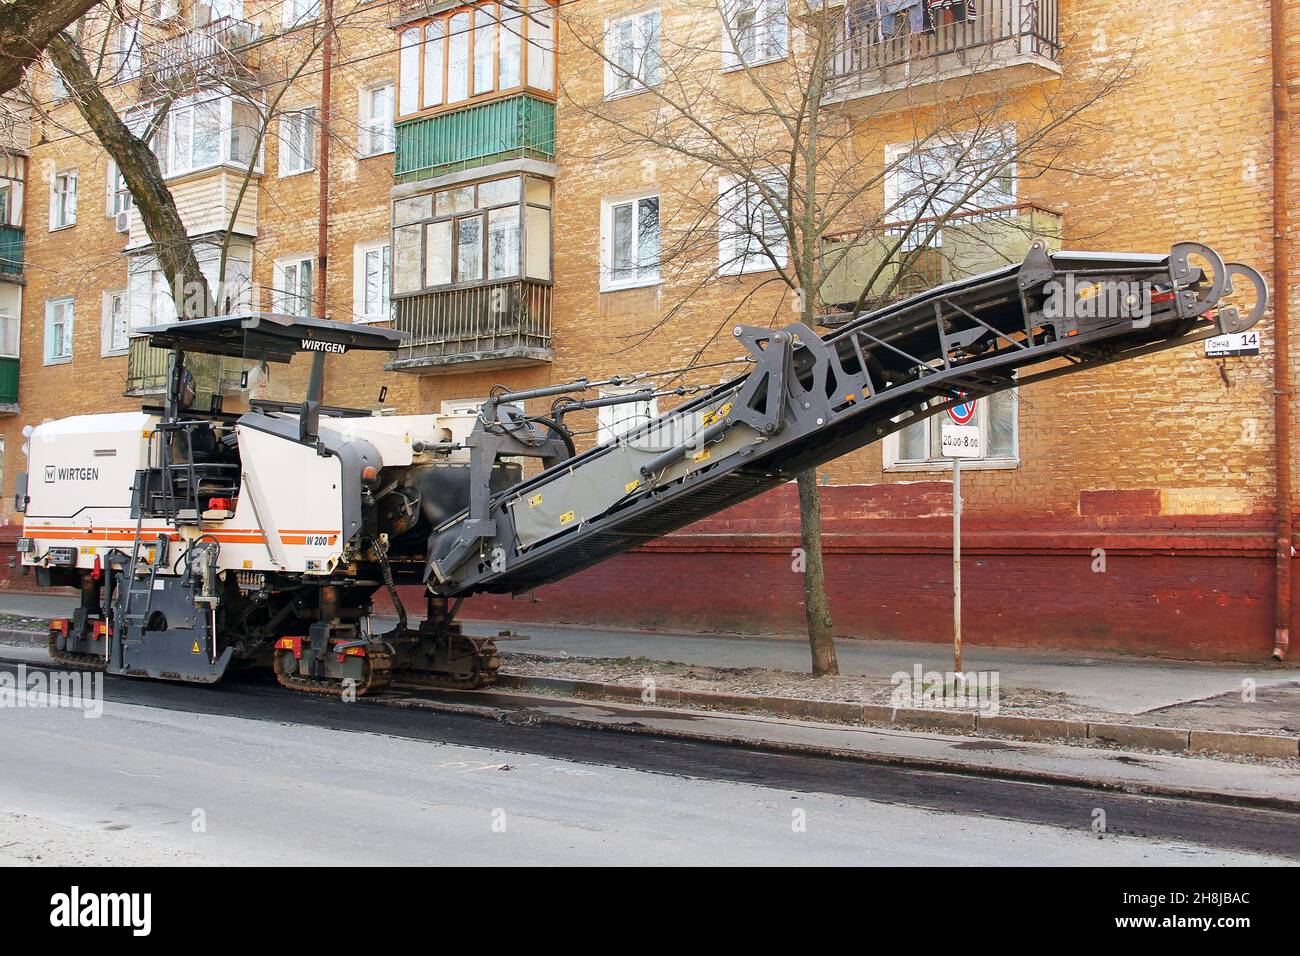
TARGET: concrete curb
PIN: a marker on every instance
(1169, 739)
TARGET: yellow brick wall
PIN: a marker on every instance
(1185, 149)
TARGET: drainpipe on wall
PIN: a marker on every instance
(1281, 327)
(323, 159)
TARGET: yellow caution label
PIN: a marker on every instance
(195, 648)
(717, 415)
(566, 517)
(534, 501)
(86, 550)
(248, 565)
(1089, 292)
(704, 455)
(632, 486)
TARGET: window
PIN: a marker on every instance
(9, 333)
(58, 331)
(300, 11)
(198, 133)
(630, 242)
(916, 447)
(491, 231)
(476, 51)
(293, 286)
(297, 142)
(754, 32)
(955, 174)
(6, 203)
(372, 264)
(632, 53)
(750, 234)
(615, 421)
(118, 196)
(117, 327)
(58, 88)
(126, 57)
(63, 200)
(376, 120)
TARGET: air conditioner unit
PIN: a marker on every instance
(123, 221)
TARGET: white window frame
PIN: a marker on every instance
(60, 357)
(619, 82)
(896, 191)
(615, 421)
(108, 345)
(182, 110)
(117, 197)
(360, 253)
(757, 259)
(607, 207)
(773, 18)
(892, 443)
(63, 199)
(281, 300)
(305, 119)
(377, 136)
(128, 39)
(296, 12)
(5, 319)
(462, 406)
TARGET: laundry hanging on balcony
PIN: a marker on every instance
(942, 12)
(891, 13)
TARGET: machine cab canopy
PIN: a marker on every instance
(270, 336)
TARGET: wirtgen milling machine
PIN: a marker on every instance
(202, 541)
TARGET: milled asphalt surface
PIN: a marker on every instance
(385, 784)
(1121, 685)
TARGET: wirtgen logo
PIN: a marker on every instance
(76, 909)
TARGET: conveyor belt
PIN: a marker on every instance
(810, 399)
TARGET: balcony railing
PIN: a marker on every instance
(11, 252)
(225, 46)
(146, 369)
(501, 325)
(8, 383)
(509, 128)
(869, 60)
(892, 265)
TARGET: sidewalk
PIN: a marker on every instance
(1045, 685)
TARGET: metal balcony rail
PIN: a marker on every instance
(486, 320)
(197, 49)
(998, 27)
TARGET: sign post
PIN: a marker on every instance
(958, 439)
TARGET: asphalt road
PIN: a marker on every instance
(277, 777)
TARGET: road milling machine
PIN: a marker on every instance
(203, 540)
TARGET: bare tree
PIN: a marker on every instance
(786, 187)
(26, 29)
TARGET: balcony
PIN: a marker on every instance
(520, 126)
(11, 253)
(969, 244)
(222, 51)
(8, 385)
(1008, 43)
(502, 325)
(146, 369)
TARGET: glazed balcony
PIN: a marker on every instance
(8, 384)
(1007, 44)
(499, 325)
(969, 243)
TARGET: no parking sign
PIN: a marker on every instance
(963, 412)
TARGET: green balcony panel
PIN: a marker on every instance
(969, 244)
(8, 380)
(516, 127)
(11, 251)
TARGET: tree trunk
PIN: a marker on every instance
(139, 167)
(26, 28)
(821, 637)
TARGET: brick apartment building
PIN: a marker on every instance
(473, 198)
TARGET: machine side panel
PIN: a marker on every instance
(292, 498)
